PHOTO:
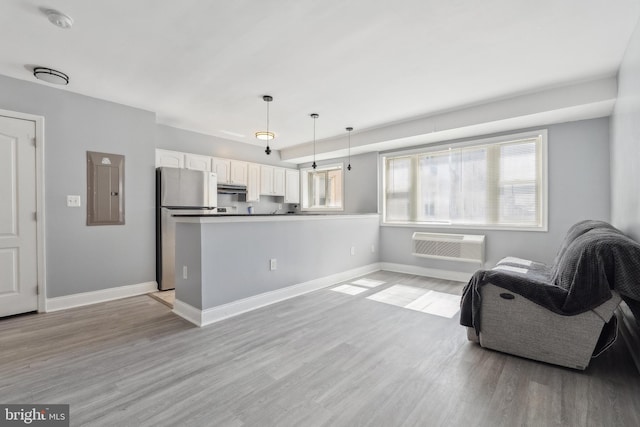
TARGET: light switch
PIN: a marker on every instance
(73, 201)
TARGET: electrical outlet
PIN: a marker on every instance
(279, 206)
(273, 264)
(73, 201)
(373, 249)
(353, 250)
(184, 272)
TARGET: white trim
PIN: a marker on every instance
(215, 314)
(40, 197)
(436, 273)
(94, 297)
(188, 312)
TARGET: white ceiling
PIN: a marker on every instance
(204, 65)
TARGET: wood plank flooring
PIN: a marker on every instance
(321, 359)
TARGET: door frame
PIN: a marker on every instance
(40, 215)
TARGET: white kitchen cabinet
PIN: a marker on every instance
(222, 168)
(253, 182)
(172, 159)
(272, 180)
(197, 162)
(238, 172)
(292, 186)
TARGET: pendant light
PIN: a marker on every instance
(314, 116)
(266, 135)
(349, 129)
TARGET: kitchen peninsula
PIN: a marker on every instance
(227, 265)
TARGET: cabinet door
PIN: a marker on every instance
(172, 159)
(222, 168)
(197, 162)
(266, 180)
(292, 190)
(238, 172)
(253, 182)
(278, 181)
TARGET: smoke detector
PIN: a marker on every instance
(59, 19)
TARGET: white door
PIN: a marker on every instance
(18, 256)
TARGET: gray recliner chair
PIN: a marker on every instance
(562, 314)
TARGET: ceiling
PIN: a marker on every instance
(204, 65)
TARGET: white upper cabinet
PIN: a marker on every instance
(272, 180)
(222, 168)
(278, 181)
(292, 187)
(253, 182)
(238, 172)
(266, 180)
(259, 179)
(197, 162)
(172, 159)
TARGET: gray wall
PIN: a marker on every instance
(81, 258)
(579, 180)
(625, 143)
(361, 182)
(305, 250)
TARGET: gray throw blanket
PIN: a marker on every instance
(594, 259)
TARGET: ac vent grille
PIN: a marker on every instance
(457, 247)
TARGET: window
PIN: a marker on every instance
(322, 188)
(497, 183)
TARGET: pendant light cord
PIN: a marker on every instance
(349, 129)
(314, 116)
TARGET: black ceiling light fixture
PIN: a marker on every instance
(314, 116)
(51, 76)
(349, 129)
(266, 135)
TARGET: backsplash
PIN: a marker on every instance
(266, 205)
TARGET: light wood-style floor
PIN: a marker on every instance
(322, 359)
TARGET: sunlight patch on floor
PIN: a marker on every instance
(419, 299)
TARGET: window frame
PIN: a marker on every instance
(543, 196)
(304, 186)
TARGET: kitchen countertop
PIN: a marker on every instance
(217, 218)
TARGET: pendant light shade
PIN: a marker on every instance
(266, 135)
(314, 116)
(349, 129)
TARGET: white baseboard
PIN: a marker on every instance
(86, 298)
(188, 312)
(436, 273)
(221, 312)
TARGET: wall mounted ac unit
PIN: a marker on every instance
(455, 247)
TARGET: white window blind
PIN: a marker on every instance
(483, 184)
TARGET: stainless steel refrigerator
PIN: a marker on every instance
(178, 191)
